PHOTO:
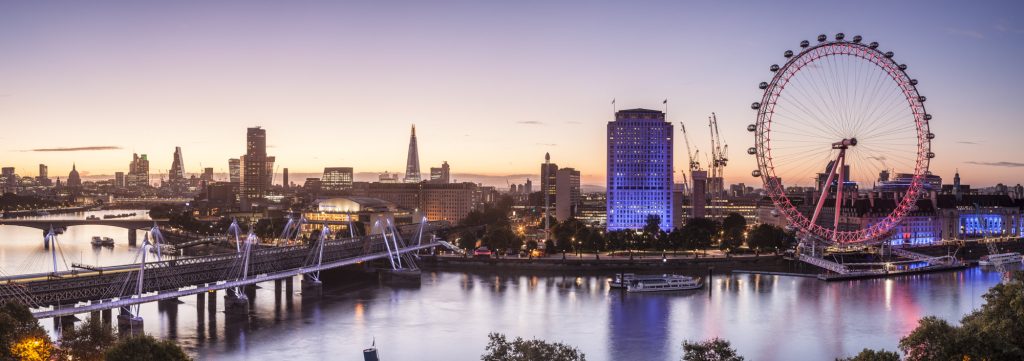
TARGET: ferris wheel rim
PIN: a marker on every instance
(762, 128)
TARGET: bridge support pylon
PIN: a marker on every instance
(236, 303)
(129, 324)
(311, 287)
(132, 238)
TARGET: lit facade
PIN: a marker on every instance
(336, 180)
(640, 169)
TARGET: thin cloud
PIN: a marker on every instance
(968, 142)
(968, 33)
(77, 149)
(999, 164)
(548, 144)
(530, 122)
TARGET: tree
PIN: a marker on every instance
(699, 232)
(145, 348)
(733, 227)
(675, 239)
(715, 349)
(993, 332)
(501, 237)
(500, 349)
(873, 355)
(88, 341)
(21, 337)
(767, 237)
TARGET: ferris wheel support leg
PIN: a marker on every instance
(841, 164)
(824, 191)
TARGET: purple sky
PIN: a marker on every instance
(490, 85)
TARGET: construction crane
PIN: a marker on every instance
(694, 156)
(719, 154)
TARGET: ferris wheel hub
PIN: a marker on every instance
(845, 143)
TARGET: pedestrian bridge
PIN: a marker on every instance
(89, 289)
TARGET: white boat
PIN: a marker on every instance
(102, 241)
(621, 280)
(1000, 258)
(665, 283)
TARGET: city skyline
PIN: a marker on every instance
(443, 80)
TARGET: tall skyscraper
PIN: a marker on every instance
(10, 179)
(177, 171)
(138, 171)
(119, 179)
(44, 175)
(254, 185)
(412, 164)
(639, 169)
(700, 193)
(235, 170)
(440, 174)
(336, 180)
(207, 174)
(548, 179)
(528, 186)
(284, 181)
(567, 189)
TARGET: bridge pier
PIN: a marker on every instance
(132, 239)
(236, 303)
(128, 324)
(311, 287)
(106, 316)
(288, 290)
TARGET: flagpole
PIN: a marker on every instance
(614, 110)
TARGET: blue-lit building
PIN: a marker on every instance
(639, 169)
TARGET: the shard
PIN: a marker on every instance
(412, 164)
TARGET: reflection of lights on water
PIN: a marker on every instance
(888, 294)
(360, 309)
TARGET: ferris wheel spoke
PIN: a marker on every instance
(819, 114)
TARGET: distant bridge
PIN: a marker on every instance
(131, 225)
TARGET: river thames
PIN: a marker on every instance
(449, 315)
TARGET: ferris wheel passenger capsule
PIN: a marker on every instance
(788, 54)
(931, 135)
(805, 43)
(873, 45)
(751, 150)
(840, 36)
(752, 127)
(755, 106)
(857, 39)
(913, 81)
(931, 155)
(774, 68)
(822, 38)
(756, 173)
(889, 54)
(903, 67)
(763, 85)
(927, 117)
(922, 98)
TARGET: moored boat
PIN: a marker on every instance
(1000, 258)
(665, 283)
(102, 241)
(622, 280)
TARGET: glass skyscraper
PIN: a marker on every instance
(639, 169)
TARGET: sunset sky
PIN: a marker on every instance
(490, 85)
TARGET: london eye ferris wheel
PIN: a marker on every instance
(837, 114)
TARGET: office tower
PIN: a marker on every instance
(177, 171)
(336, 180)
(639, 169)
(44, 175)
(285, 178)
(548, 178)
(528, 187)
(440, 175)
(10, 180)
(270, 171)
(207, 174)
(545, 173)
(567, 189)
(254, 183)
(138, 171)
(119, 179)
(235, 170)
(412, 164)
